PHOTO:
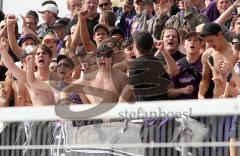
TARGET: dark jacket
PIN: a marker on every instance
(149, 78)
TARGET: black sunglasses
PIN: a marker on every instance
(103, 4)
(66, 65)
(105, 55)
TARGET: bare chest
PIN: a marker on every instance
(101, 91)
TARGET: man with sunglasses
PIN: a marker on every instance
(65, 69)
(105, 5)
(106, 84)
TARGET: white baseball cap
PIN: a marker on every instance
(49, 7)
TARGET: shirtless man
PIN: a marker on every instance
(233, 82)
(219, 51)
(42, 60)
(107, 84)
(17, 89)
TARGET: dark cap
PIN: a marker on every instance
(117, 31)
(100, 26)
(143, 39)
(211, 29)
(193, 34)
(32, 37)
(61, 22)
(60, 57)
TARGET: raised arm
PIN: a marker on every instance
(76, 74)
(8, 84)
(76, 36)
(206, 76)
(31, 79)
(88, 44)
(11, 24)
(228, 13)
(8, 61)
(172, 67)
(25, 28)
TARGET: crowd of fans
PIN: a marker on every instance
(144, 50)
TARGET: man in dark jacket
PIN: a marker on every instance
(147, 74)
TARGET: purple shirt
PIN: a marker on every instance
(211, 11)
(186, 77)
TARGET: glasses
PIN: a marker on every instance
(66, 65)
(103, 4)
(105, 55)
(106, 48)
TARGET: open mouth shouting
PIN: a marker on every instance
(41, 61)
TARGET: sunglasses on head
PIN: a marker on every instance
(103, 4)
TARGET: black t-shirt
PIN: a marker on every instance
(149, 78)
(176, 56)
